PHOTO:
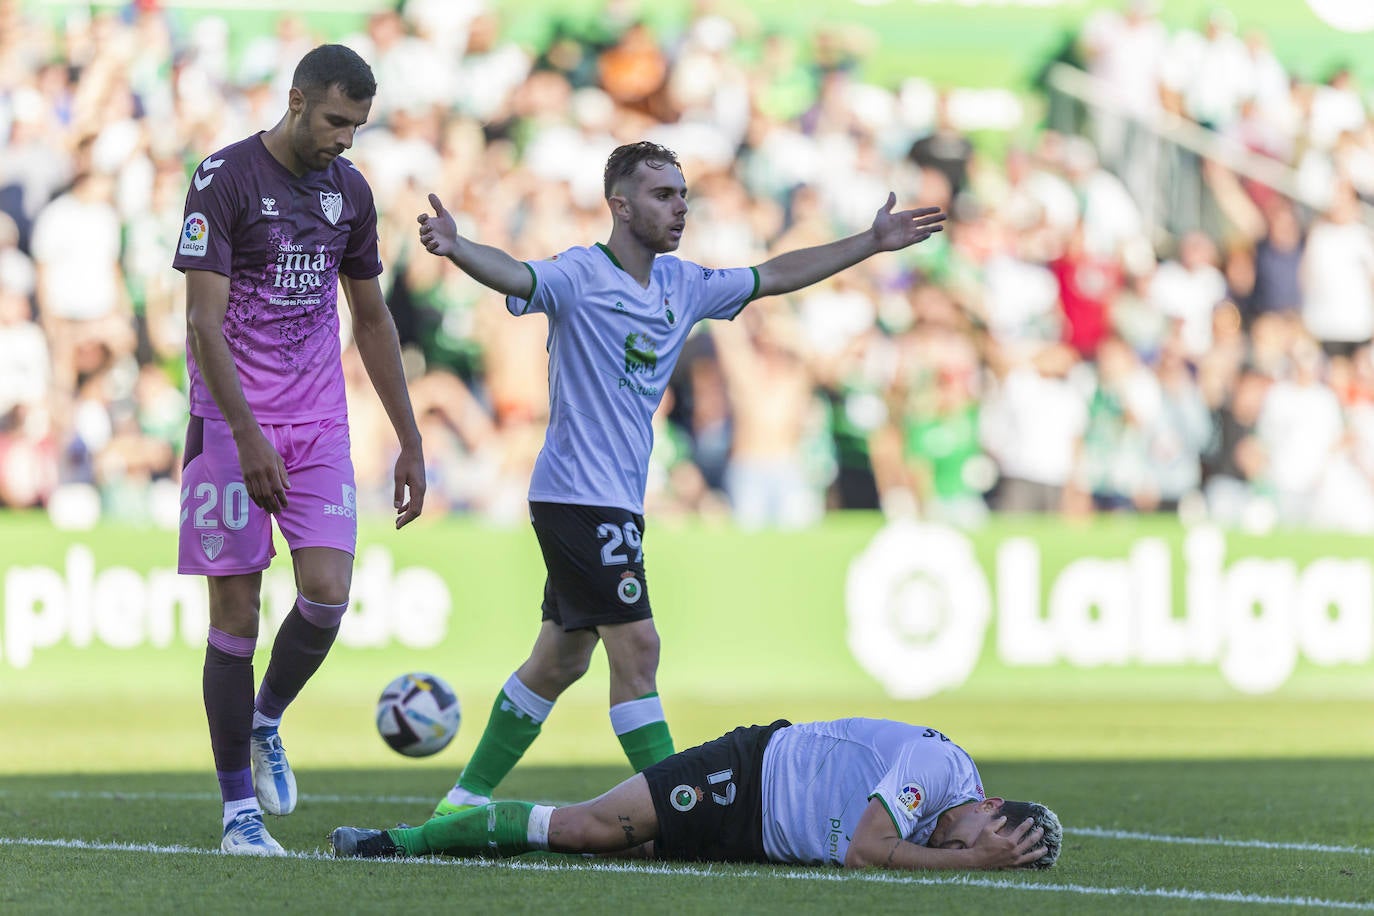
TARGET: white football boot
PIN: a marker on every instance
(246, 835)
(273, 781)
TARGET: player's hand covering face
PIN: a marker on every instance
(978, 826)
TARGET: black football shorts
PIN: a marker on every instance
(709, 799)
(594, 556)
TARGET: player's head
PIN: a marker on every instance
(958, 828)
(647, 194)
(331, 95)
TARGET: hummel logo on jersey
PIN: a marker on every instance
(212, 544)
(620, 307)
(269, 207)
(202, 181)
(331, 202)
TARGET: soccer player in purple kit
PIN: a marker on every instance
(619, 314)
(274, 225)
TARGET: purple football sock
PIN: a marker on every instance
(227, 686)
(297, 653)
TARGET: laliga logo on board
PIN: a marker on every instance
(919, 608)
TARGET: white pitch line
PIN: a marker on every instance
(1105, 833)
(426, 800)
(780, 873)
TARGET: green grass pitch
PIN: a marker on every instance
(108, 805)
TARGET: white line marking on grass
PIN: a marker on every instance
(426, 800)
(1105, 833)
(780, 873)
(64, 794)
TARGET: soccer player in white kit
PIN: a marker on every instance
(855, 793)
(274, 224)
(618, 315)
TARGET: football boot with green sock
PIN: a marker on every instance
(361, 843)
(446, 807)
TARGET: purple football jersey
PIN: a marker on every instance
(282, 241)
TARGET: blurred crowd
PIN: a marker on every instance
(1052, 351)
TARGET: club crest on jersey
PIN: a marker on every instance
(684, 797)
(668, 311)
(331, 202)
(629, 590)
(911, 797)
(211, 544)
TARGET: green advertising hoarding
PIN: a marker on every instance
(855, 608)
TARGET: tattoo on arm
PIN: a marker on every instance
(891, 853)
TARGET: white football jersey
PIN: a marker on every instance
(612, 348)
(818, 778)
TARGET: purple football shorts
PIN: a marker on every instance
(224, 533)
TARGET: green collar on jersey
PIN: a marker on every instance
(610, 254)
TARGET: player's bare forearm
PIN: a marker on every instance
(380, 350)
(264, 472)
(207, 301)
(797, 269)
(493, 268)
(891, 231)
(379, 347)
(876, 844)
(488, 265)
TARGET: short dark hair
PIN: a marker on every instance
(335, 65)
(1017, 811)
(625, 159)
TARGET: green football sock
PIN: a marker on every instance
(508, 734)
(643, 733)
(647, 745)
(498, 829)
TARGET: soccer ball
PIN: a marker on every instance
(418, 714)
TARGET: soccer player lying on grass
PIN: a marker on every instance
(853, 792)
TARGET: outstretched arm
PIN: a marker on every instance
(877, 844)
(890, 232)
(489, 266)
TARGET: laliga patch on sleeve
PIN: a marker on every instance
(195, 236)
(911, 797)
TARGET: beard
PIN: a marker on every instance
(312, 156)
(656, 238)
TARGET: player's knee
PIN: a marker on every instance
(322, 614)
(324, 592)
(635, 660)
(567, 669)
